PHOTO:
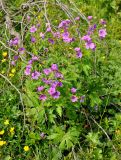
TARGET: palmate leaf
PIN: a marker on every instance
(66, 140)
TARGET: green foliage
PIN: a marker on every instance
(57, 128)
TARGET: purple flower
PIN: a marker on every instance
(42, 35)
(77, 49)
(90, 45)
(38, 25)
(92, 28)
(77, 18)
(47, 71)
(64, 24)
(51, 90)
(89, 18)
(27, 71)
(30, 61)
(16, 57)
(28, 18)
(13, 63)
(102, 33)
(42, 135)
(35, 75)
(86, 38)
(57, 34)
(50, 40)
(66, 37)
(35, 58)
(73, 90)
(21, 50)
(74, 99)
(33, 40)
(79, 55)
(58, 75)
(60, 84)
(14, 42)
(33, 29)
(56, 95)
(82, 98)
(48, 29)
(54, 84)
(43, 97)
(40, 88)
(29, 66)
(54, 67)
(47, 81)
(102, 21)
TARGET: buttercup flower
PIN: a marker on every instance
(6, 122)
(3, 60)
(4, 54)
(26, 148)
(13, 70)
(12, 130)
(2, 143)
(2, 132)
(33, 29)
(11, 75)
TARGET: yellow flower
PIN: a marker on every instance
(13, 70)
(2, 132)
(2, 143)
(3, 72)
(26, 148)
(120, 41)
(11, 74)
(3, 60)
(39, 16)
(6, 122)
(12, 130)
(4, 54)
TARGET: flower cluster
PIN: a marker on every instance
(75, 98)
